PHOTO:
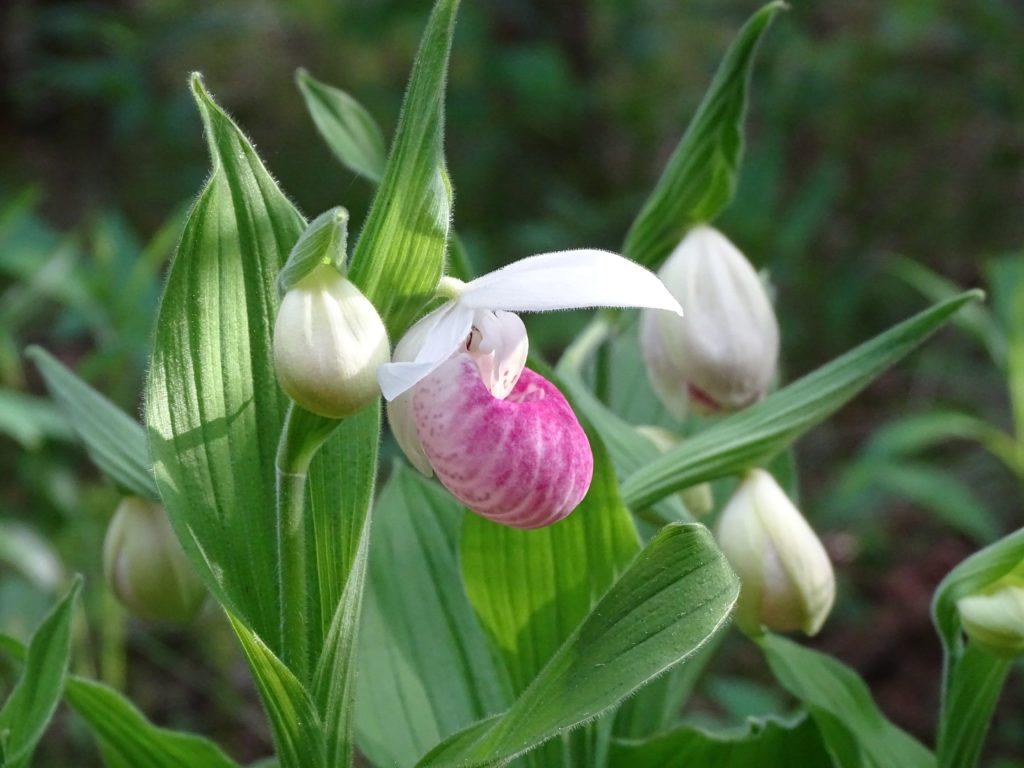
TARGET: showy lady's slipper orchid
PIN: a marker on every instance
(787, 582)
(501, 437)
(722, 356)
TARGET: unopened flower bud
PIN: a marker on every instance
(328, 342)
(698, 499)
(146, 567)
(994, 619)
(722, 354)
(786, 577)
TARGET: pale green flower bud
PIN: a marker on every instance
(145, 565)
(328, 342)
(994, 619)
(698, 499)
(722, 354)
(786, 577)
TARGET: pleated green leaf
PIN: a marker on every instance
(753, 436)
(855, 731)
(425, 669)
(401, 250)
(115, 442)
(672, 599)
(531, 589)
(213, 407)
(349, 130)
(27, 711)
(299, 736)
(972, 679)
(700, 177)
(758, 743)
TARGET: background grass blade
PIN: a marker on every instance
(755, 435)
(676, 594)
(27, 711)
(425, 668)
(758, 743)
(401, 251)
(856, 732)
(700, 177)
(115, 442)
(349, 130)
(213, 407)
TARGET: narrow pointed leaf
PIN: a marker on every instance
(855, 731)
(401, 250)
(425, 669)
(31, 420)
(323, 242)
(673, 598)
(531, 589)
(701, 174)
(753, 436)
(349, 130)
(758, 743)
(115, 442)
(27, 711)
(213, 407)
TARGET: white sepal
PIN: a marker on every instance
(569, 280)
(426, 345)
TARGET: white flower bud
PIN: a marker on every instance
(786, 577)
(145, 565)
(994, 619)
(328, 342)
(698, 499)
(723, 353)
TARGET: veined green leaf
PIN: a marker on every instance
(297, 727)
(756, 434)
(971, 679)
(401, 250)
(425, 669)
(758, 743)
(676, 594)
(701, 174)
(531, 589)
(349, 130)
(323, 242)
(115, 442)
(213, 407)
(855, 731)
(27, 711)
(31, 420)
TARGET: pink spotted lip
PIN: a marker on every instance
(522, 461)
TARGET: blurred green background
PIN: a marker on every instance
(876, 129)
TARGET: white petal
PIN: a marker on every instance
(499, 347)
(569, 280)
(426, 345)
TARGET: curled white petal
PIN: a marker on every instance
(569, 280)
(426, 345)
(499, 346)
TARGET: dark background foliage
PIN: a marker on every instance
(876, 129)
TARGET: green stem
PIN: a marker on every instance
(301, 438)
(973, 690)
(589, 340)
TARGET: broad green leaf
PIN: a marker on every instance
(756, 434)
(115, 442)
(757, 744)
(972, 679)
(27, 711)
(298, 730)
(213, 407)
(127, 738)
(425, 669)
(531, 589)
(349, 130)
(324, 241)
(855, 731)
(31, 420)
(700, 177)
(677, 593)
(401, 250)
